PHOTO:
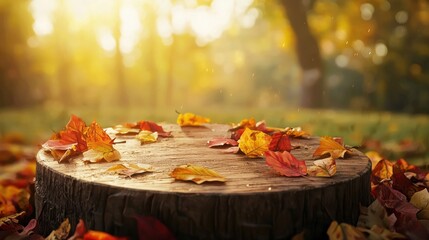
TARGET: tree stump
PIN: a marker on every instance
(254, 202)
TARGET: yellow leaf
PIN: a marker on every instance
(375, 157)
(196, 174)
(147, 136)
(296, 132)
(326, 167)
(420, 200)
(99, 151)
(254, 143)
(329, 146)
(190, 119)
(125, 130)
(129, 169)
(344, 231)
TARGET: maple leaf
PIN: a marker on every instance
(191, 120)
(153, 127)
(326, 167)
(280, 142)
(130, 169)
(254, 143)
(147, 136)
(219, 142)
(99, 151)
(329, 146)
(420, 200)
(76, 124)
(196, 174)
(95, 133)
(152, 229)
(344, 231)
(285, 164)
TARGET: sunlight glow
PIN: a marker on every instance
(106, 39)
(42, 11)
(130, 28)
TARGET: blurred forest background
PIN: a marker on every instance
(129, 60)
(199, 53)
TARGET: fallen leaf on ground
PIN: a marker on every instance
(98, 235)
(220, 142)
(145, 136)
(329, 146)
(344, 231)
(196, 174)
(375, 157)
(130, 169)
(421, 201)
(285, 164)
(376, 214)
(254, 143)
(280, 142)
(381, 172)
(191, 120)
(61, 232)
(152, 229)
(326, 167)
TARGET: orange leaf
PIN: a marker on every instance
(97, 134)
(297, 132)
(323, 168)
(196, 174)
(153, 127)
(329, 146)
(99, 151)
(245, 123)
(375, 157)
(254, 143)
(382, 171)
(76, 124)
(98, 235)
(129, 169)
(285, 164)
(190, 119)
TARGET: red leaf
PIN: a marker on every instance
(232, 150)
(71, 136)
(280, 142)
(219, 142)
(285, 164)
(237, 134)
(98, 235)
(80, 231)
(403, 184)
(150, 228)
(153, 127)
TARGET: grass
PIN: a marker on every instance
(391, 130)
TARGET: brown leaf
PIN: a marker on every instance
(329, 146)
(129, 169)
(326, 167)
(196, 174)
(62, 232)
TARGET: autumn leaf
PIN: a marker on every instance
(231, 150)
(405, 185)
(130, 169)
(10, 221)
(76, 124)
(254, 143)
(61, 232)
(153, 127)
(145, 136)
(296, 132)
(326, 167)
(375, 157)
(152, 229)
(376, 214)
(125, 130)
(99, 151)
(243, 124)
(329, 146)
(191, 120)
(196, 174)
(280, 142)
(98, 235)
(285, 164)
(377, 232)
(220, 142)
(421, 201)
(80, 231)
(344, 231)
(382, 171)
(97, 134)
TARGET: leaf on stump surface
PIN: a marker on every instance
(61, 232)
(151, 228)
(191, 120)
(231, 150)
(296, 132)
(326, 167)
(101, 151)
(97, 134)
(285, 164)
(280, 142)
(196, 174)
(243, 124)
(220, 142)
(130, 169)
(421, 201)
(329, 146)
(254, 143)
(146, 136)
(153, 127)
(125, 130)
(344, 231)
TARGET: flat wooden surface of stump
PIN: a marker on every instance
(253, 200)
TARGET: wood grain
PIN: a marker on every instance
(254, 202)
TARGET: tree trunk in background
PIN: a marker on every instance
(119, 64)
(308, 54)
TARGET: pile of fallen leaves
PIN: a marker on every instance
(400, 209)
